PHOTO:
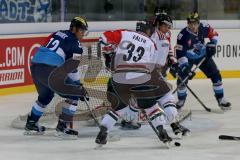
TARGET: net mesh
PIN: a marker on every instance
(94, 76)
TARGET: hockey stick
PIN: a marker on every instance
(188, 114)
(92, 112)
(193, 71)
(227, 137)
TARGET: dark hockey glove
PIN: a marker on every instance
(185, 70)
(171, 60)
(108, 60)
(191, 75)
(174, 70)
(84, 93)
(210, 49)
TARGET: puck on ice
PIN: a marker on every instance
(177, 144)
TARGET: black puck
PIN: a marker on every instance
(177, 144)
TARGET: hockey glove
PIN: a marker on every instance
(84, 93)
(185, 70)
(171, 60)
(108, 49)
(210, 49)
(174, 70)
(108, 60)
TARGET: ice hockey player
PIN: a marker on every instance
(60, 47)
(136, 63)
(162, 38)
(130, 115)
(190, 49)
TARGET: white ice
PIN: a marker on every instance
(203, 144)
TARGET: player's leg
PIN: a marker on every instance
(68, 107)
(181, 94)
(40, 77)
(156, 116)
(167, 103)
(129, 114)
(130, 118)
(112, 116)
(182, 89)
(210, 69)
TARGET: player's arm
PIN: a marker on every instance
(155, 56)
(74, 76)
(111, 37)
(171, 58)
(181, 50)
(212, 35)
(109, 40)
(163, 48)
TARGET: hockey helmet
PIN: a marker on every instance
(79, 23)
(193, 17)
(143, 26)
(163, 18)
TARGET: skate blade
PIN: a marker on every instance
(186, 134)
(224, 109)
(65, 136)
(99, 146)
(179, 135)
(33, 133)
(113, 138)
(167, 145)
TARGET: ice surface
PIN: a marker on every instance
(203, 144)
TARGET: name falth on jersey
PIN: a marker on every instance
(140, 39)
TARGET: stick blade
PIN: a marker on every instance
(227, 137)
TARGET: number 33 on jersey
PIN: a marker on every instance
(135, 52)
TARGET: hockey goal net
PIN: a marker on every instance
(94, 76)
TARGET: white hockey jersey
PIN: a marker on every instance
(135, 56)
(163, 43)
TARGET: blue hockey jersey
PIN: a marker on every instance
(60, 47)
(191, 45)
